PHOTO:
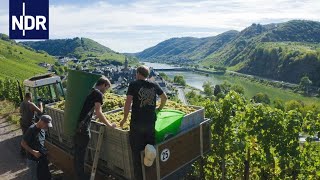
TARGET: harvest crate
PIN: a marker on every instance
(57, 121)
(192, 119)
(116, 154)
(175, 154)
(56, 133)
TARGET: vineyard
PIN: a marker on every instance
(249, 140)
(257, 141)
(20, 62)
(9, 90)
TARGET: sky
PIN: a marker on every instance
(132, 26)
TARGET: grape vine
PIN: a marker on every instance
(256, 141)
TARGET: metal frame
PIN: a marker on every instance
(97, 152)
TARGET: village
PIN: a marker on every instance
(119, 75)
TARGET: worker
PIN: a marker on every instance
(92, 104)
(33, 143)
(142, 96)
(27, 111)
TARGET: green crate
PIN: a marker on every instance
(168, 124)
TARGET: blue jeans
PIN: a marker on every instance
(32, 171)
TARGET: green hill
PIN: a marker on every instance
(285, 51)
(180, 50)
(247, 40)
(287, 61)
(17, 61)
(81, 48)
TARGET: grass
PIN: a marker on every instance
(9, 111)
(252, 88)
(19, 62)
(15, 118)
(6, 107)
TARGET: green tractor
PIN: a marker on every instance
(46, 88)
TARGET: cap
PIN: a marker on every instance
(150, 155)
(47, 119)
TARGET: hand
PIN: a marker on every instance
(113, 125)
(122, 123)
(36, 154)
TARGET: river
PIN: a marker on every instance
(250, 88)
(195, 80)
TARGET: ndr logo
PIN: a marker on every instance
(29, 19)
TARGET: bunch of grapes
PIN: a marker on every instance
(112, 102)
(59, 105)
(179, 107)
(117, 118)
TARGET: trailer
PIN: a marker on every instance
(174, 154)
(109, 152)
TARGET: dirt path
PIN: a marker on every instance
(12, 165)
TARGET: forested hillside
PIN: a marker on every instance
(179, 50)
(284, 51)
(81, 48)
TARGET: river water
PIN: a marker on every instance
(250, 88)
(195, 80)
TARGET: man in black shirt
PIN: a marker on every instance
(92, 104)
(33, 143)
(142, 95)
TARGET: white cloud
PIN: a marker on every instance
(135, 26)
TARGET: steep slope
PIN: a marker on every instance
(81, 48)
(286, 61)
(238, 50)
(20, 62)
(186, 48)
(285, 51)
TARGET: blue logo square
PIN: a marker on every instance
(29, 19)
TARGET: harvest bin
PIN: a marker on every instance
(116, 151)
(79, 86)
(115, 156)
(168, 124)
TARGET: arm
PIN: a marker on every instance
(25, 145)
(99, 114)
(163, 98)
(36, 109)
(126, 110)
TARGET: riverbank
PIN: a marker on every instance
(251, 87)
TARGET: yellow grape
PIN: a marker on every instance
(179, 107)
(117, 118)
(110, 102)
